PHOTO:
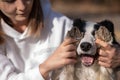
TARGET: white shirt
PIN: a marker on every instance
(21, 55)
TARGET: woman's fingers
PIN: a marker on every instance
(68, 41)
(103, 44)
(108, 54)
(69, 61)
(71, 54)
(103, 53)
(70, 47)
(104, 64)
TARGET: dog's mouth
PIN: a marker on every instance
(87, 59)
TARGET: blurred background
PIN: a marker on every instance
(91, 10)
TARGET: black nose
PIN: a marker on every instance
(85, 46)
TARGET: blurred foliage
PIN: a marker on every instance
(90, 1)
(88, 5)
(92, 10)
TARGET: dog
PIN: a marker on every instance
(88, 68)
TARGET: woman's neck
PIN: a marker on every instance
(20, 26)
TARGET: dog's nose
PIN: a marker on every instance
(85, 46)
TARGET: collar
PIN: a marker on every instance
(11, 32)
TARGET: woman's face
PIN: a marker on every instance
(16, 10)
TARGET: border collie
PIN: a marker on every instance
(87, 52)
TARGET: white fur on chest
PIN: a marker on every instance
(86, 73)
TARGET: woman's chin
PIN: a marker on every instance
(21, 19)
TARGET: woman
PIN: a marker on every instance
(32, 40)
(31, 34)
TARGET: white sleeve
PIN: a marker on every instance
(9, 72)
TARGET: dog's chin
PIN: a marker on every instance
(87, 59)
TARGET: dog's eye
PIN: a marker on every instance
(93, 33)
(96, 27)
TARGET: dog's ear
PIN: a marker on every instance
(104, 34)
(75, 34)
(108, 24)
(110, 27)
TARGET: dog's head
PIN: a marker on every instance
(86, 33)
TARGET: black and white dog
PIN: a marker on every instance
(87, 52)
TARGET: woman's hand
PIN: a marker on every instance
(109, 55)
(65, 54)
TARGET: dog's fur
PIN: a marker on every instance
(87, 52)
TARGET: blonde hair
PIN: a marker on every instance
(35, 21)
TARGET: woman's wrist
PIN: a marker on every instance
(44, 71)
